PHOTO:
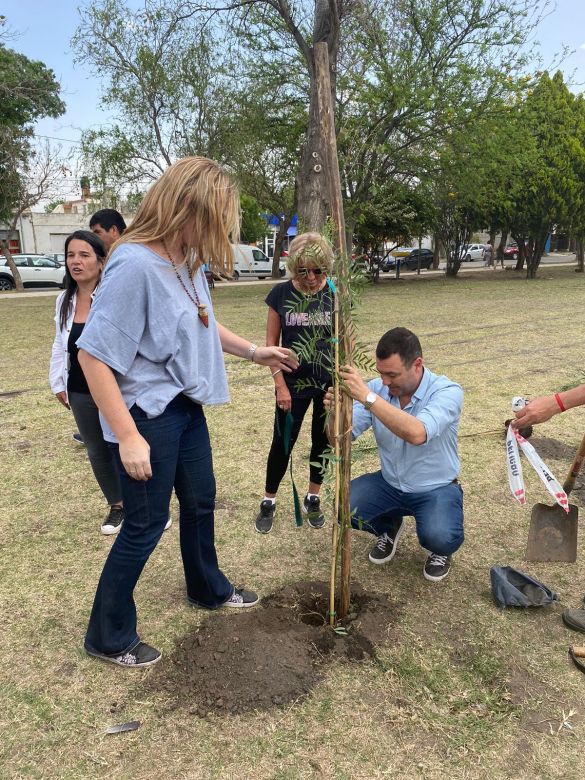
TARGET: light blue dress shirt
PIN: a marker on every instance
(418, 468)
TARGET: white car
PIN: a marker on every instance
(472, 252)
(35, 271)
(250, 261)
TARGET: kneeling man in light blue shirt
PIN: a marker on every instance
(414, 415)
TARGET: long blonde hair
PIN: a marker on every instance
(192, 189)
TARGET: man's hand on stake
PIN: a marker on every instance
(353, 385)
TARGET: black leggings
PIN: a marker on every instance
(277, 457)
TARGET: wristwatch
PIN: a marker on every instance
(370, 398)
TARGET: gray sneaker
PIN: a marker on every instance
(312, 510)
(265, 517)
(140, 656)
(574, 619)
(437, 567)
(385, 548)
(242, 598)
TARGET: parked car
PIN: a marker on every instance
(471, 252)
(409, 262)
(251, 261)
(511, 251)
(35, 271)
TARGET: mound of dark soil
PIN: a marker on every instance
(270, 655)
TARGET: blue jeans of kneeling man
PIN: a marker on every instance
(378, 508)
(180, 456)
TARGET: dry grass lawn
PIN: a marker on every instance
(459, 689)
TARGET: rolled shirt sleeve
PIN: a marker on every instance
(118, 315)
(442, 410)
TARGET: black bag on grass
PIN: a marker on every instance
(513, 588)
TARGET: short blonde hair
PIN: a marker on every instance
(197, 190)
(312, 249)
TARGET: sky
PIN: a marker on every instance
(43, 30)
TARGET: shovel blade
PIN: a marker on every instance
(553, 534)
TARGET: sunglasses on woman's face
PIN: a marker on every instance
(305, 271)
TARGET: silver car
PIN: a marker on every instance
(35, 271)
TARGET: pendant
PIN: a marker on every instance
(203, 315)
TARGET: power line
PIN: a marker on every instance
(52, 138)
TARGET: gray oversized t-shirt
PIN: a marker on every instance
(143, 325)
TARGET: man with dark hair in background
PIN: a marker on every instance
(109, 225)
(414, 415)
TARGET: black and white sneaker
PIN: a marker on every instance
(385, 548)
(113, 521)
(140, 656)
(437, 567)
(242, 598)
(312, 510)
(169, 522)
(77, 437)
(265, 517)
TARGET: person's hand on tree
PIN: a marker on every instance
(276, 357)
(353, 385)
(328, 403)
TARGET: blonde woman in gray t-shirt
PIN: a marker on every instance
(152, 355)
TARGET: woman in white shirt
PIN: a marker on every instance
(85, 255)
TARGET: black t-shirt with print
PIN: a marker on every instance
(304, 317)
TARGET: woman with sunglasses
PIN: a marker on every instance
(300, 310)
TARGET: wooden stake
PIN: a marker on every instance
(335, 531)
(343, 407)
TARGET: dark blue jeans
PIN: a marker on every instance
(379, 508)
(180, 455)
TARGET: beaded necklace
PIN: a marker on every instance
(201, 307)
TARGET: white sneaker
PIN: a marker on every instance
(169, 522)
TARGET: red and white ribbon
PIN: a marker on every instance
(515, 478)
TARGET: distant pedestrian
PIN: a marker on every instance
(109, 225)
(488, 254)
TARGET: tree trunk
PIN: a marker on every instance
(521, 253)
(453, 265)
(436, 250)
(534, 252)
(312, 183)
(493, 261)
(9, 261)
(349, 228)
(580, 251)
(283, 226)
(501, 247)
(311, 179)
